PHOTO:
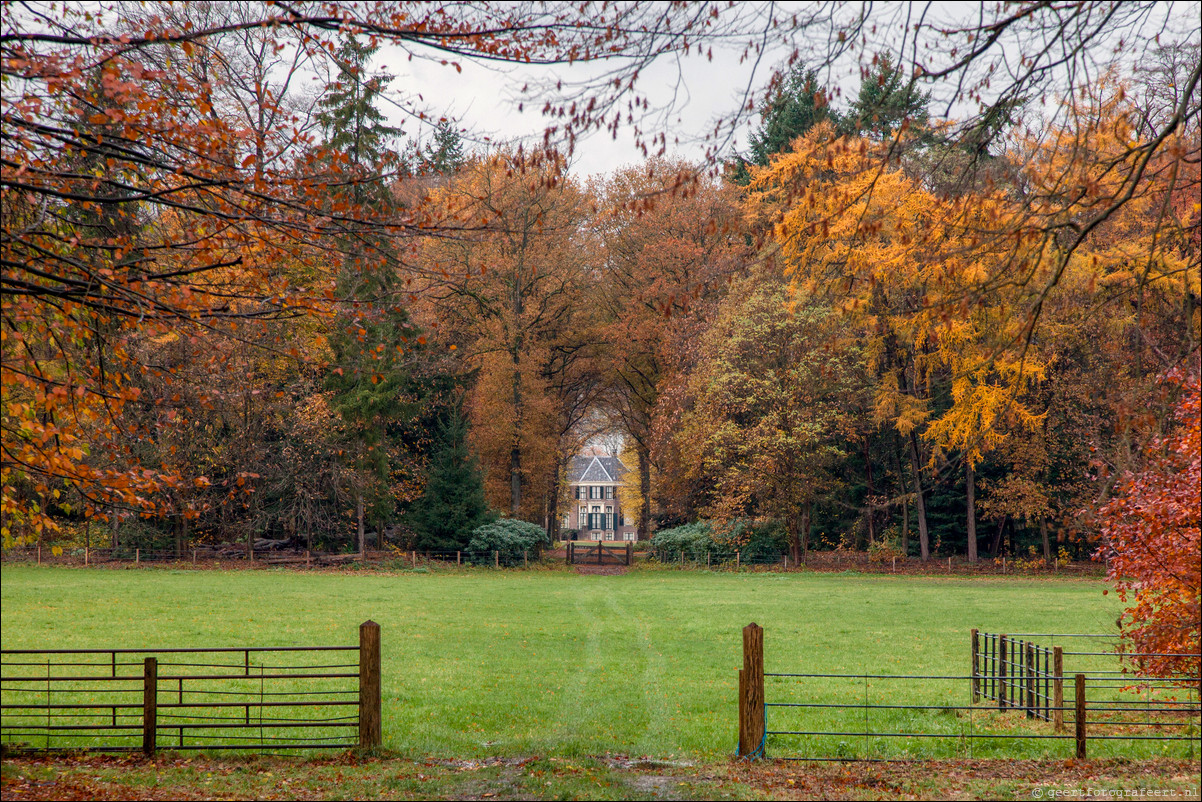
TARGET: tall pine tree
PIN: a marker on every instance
(887, 101)
(373, 341)
(797, 105)
(453, 503)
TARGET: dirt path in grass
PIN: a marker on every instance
(349, 776)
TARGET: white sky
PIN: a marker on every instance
(484, 101)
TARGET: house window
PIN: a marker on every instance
(575, 491)
(595, 536)
(609, 491)
(609, 535)
(628, 536)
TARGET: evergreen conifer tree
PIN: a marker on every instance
(445, 154)
(797, 106)
(453, 503)
(373, 340)
(886, 100)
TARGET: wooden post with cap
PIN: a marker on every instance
(369, 685)
(752, 724)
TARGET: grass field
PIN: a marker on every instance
(548, 662)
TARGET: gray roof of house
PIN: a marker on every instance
(596, 469)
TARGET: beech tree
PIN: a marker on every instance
(208, 193)
(1150, 532)
(670, 246)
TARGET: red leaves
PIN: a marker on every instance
(1151, 530)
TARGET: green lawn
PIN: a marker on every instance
(548, 662)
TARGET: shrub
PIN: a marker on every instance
(887, 548)
(510, 537)
(693, 539)
(755, 542)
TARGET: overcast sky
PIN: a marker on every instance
(484, 101)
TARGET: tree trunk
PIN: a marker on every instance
(972, 513)
(871, 494)
(553, 520)
(794, 531)
(645, 489)
(359, 515)
(901, 479)
(115, 521)
(805, 531)
(997, 539)
(924, 543)
(515, 450)
(1047, 544)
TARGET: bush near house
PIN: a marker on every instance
(511, 538)
(755, 542)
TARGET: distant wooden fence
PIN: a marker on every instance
(584, 552)
(845, 723)
(122, 700)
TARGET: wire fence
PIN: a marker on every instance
(718, 560)
(260, 698)
(1017, 702)
(195, 555)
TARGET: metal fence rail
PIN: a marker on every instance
(265, 698)
(881, 717)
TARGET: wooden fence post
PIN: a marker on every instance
(369, 685)
(976, 666)
(1058, 689)
(525, 559)
(137, 556)
(1029, 659)
(1001, 672)
(458, 558)
(150, 703)
(743, 716)
(629, 552)
(307, 558)
(194, 556)
(752, 724)
(39, 552)
(85, 556)
(738, 560)
(496, 559)
(568, 552)
(1080, 702)
(413, 555)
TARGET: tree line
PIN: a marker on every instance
(233, 309)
